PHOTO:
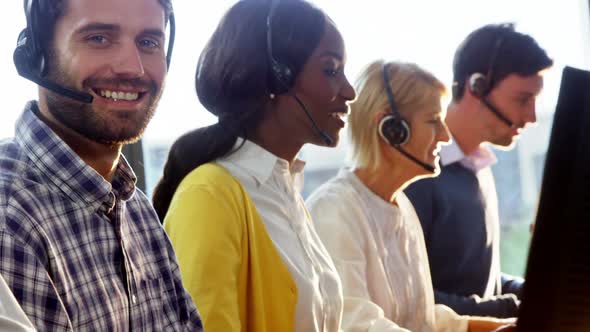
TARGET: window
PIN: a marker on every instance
(425, 32)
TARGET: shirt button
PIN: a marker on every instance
(134, 299)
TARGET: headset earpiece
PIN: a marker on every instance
(282, 77)
(28, 55)
(479, 85)
(26, 58)
(393, 128)
(22, 54)
(171, 37)
(394, 131)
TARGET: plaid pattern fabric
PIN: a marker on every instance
(81, 253)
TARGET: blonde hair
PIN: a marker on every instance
(412, 87)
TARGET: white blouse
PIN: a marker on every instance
(12, 317)
(379, 251)
(274, 187)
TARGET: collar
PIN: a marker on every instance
(261, 164)
(65, 169)
(481, 158)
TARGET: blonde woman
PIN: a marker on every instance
(368, 225)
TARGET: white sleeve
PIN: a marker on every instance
(12, 317)
(337, 223)
(449, 321)
(360, 315)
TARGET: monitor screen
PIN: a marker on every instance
(556, 296)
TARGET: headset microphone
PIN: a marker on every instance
(389, 137)
(424, 165)
(30, 64)
(496, 112)
(284, 78)
(394, 129)
(23, 67)
(325, 137)
(481, 85)
(52, 86)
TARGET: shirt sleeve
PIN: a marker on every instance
(500, 306)
(206, 236)
(512, 285)
(26, 274)
(336, 223)
(449, 321)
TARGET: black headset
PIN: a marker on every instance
(30, 58)
(481, 85)
(282, 76)
(393, 128)
(28, 55)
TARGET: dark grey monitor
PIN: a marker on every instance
(556, 296)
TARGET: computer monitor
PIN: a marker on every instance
(556, 296)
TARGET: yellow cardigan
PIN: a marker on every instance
(228, 262)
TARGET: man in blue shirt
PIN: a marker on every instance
(496, 81)
(80, 246)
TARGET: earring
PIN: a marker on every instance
(271, 96)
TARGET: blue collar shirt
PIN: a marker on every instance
(81, 253)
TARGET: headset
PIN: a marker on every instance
(30, 59)
(481, 85)
(393, 128)
(283, 77)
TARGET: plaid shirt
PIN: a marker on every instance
(81, 253)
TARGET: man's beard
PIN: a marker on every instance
(110, 127)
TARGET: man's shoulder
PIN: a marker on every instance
(15, 172)
(22, 187)
(14, 161)
(435, 188)
(21, 214)
(423, 187)
(449, 174)
(456, 187)
(142, 209)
